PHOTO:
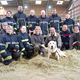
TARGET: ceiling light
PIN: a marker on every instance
(38, 2)
(59, 2)
(25, 6)
(49, 6)
(4, 2)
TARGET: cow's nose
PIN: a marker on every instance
(51, 47)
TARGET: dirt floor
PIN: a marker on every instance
(40, 68)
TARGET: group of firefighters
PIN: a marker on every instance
(27, 34)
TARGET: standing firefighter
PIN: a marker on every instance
(25, 43)
(69, 22)
(11, 42)
(32, 21)
(55, 20)
(20, 17)
(9, 19)
(43, 23)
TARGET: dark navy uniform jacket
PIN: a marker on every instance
(2, 46)
(20, 18)
(43, 22)
(3, 52)
(9, 20)
(55, 21)
(70, 22)
(24, 41)
(32, 21)
(11, 41)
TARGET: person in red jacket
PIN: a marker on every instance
(65, 36)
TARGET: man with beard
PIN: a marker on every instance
(20, 17)
(55, 20)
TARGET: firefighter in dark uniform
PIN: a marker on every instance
(4, 57)
(11, 42)
(20, 17)
(69, 22)
(25, 43)
(43, 23)
(32, 21)
(55, 20)
(9, 19)
(65, 36)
